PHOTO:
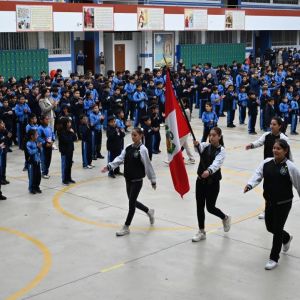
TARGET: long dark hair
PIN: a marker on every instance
(279, 122)
(62, 125)
(285, 146)
(218, 131)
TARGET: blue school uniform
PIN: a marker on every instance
(210, 120)
(22, 118)
(46, 135)
(294, 115)
(140, 98)
(34, 169)
(243, 102)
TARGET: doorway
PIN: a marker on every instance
(120, 57)
(88, 48)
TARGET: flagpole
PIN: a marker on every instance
(182, 107)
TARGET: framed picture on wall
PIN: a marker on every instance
(163, 47)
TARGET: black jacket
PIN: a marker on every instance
(66, 142)
(114, 139)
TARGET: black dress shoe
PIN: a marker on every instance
(4, 182)
(33, 192)
(112, 175)
(2, 197)
(38, 191)
(100, 156)
(72, 181)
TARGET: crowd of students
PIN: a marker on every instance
(35, 115)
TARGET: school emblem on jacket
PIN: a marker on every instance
(136, 153)
(170, 136)
(284, 170)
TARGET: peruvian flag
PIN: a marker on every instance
(176, 128)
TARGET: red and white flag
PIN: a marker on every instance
(176, 128)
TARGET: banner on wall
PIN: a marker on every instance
(34, 18)
(234, 20)
(98, 18)
(195, 19)
(150, 18)
(163, 47)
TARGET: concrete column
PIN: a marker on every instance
(298, 35)
(41, 39)
(238, 36)
(203, 37)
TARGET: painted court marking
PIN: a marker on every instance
(47, 262)
(57, 205)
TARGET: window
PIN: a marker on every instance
(18, 41)
(284, 38)
(286, 2)
(257, 1)
(246, 38)
(220, 37)
(189, 37)
(123, 36)
(57, 42)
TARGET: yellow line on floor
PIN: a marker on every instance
(64, 212)
(47, 262)
(114, 267)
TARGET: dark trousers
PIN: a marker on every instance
(34, 175)
(275, 218)
(251, 122)
(111, 156)
(21, 132)
(156, 141)
(96, 143)
(230, 116)
(206, 131)
(242, 115)
(133, 189)
(66, 166)
(207, 194)
(3, 164)
(46, 156)
(86, 151)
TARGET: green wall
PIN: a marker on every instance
(20, 63)
(217, 54)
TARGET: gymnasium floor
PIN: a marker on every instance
(61, 245)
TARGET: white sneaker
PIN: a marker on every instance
(191, 161)
(286, 247)
(150, 214)
(123, 231)
(271, 264)
(89, 167)
(46, 176)
(261, 216)
(199, 236)
(227, 223)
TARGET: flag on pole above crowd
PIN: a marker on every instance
(176, 128)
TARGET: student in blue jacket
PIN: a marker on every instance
(34, 159)
(22, 111)
(96, 120)
(284, 110)
(294, 111)
(140, 98)
(243, 103)
(209, 119)
(46, 138)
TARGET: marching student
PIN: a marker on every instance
(114, 144)
(208, 181)
(34, 159)
(46, 138)
(136, 165)
(86, 142)
(280, 175)
(209, 119)
(268, 140)
(66, 138)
